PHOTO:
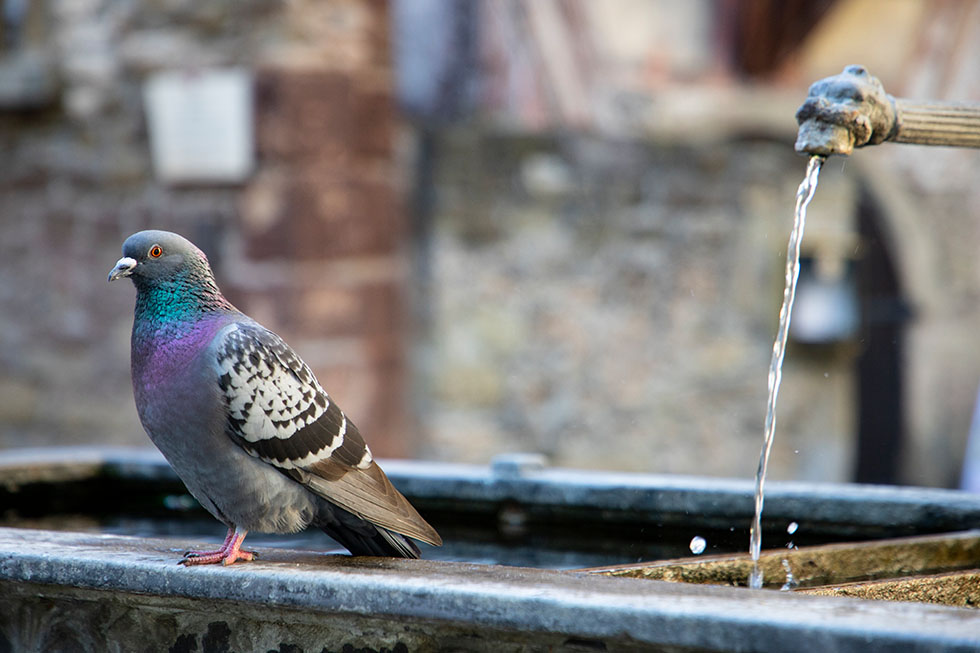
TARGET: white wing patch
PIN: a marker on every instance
(271, 397)
(272, 394)
(366, 459)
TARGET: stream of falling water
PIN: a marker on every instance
(803, 197)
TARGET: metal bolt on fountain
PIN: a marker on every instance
(841, 113)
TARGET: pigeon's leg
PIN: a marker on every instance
(221, 549)
(229, 552)
(234, 551)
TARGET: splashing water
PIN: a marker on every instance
(803, 197)
(791, 582)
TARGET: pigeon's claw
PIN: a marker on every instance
(228, 554)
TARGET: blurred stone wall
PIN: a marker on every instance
(602, 200)
(609, 238)
(311, 244)
(612, 304)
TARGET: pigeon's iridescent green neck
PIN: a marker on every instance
(174, 305)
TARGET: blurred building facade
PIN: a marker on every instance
(311, 243)
(555, 226)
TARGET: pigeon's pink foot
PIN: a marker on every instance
(205, 554)
(229, 552)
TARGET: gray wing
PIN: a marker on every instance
(278, 413)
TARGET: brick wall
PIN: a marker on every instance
(323, 240)
(311, 244)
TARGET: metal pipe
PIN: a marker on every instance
(852, 110)
(931, 123)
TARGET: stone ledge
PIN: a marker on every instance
(424, 603)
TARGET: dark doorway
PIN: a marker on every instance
(884, 312)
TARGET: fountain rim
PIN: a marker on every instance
(486, 596)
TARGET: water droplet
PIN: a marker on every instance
(698, 545)
(792, 527)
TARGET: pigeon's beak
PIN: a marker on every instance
(124, 268)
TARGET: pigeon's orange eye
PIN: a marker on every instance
(156, 251)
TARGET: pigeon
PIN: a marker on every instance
(244, 422)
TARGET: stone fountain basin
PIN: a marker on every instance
(930, 568)
(69, 590)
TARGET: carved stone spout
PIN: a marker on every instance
(852, 110)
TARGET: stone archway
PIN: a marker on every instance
(938, 387)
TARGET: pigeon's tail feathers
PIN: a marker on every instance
(363, 538)
(401, 545)
(369, 494)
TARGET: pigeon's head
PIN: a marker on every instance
(159, 256)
